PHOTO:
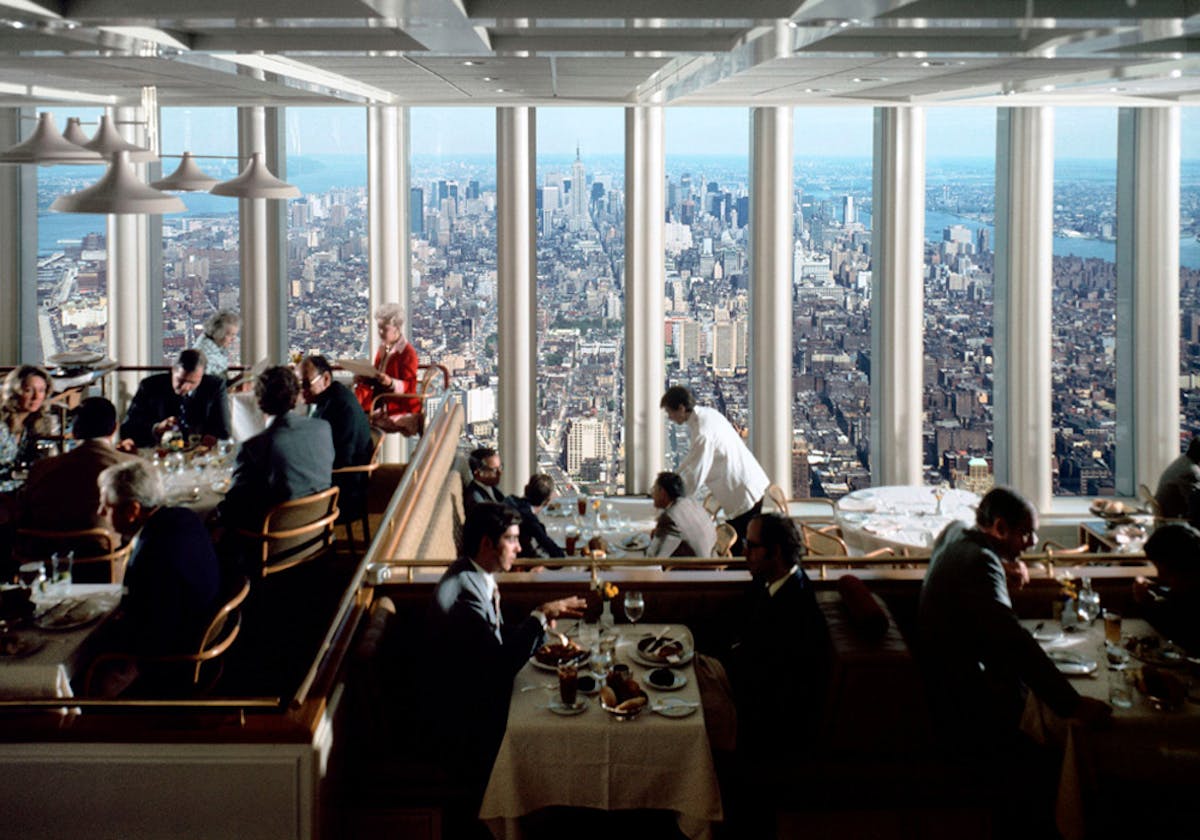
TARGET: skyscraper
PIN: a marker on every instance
(579, 193)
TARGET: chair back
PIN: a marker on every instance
(726, 540)
(223, 629)
(712, 505)
(1148, 500)
(295, 531)
(777, 498)
(97, 548)
(822, 542)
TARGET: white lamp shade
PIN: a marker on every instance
(108, 141)
(187, 177)
(256, 181)
(75, 134)
(47, 146)
(119, 192)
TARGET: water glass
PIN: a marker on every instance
(602, 659)
(31, 574)
(1112, 627)
(60, 569)
(635, 606)
(1120, 692)
(568, 684)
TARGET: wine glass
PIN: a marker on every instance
(635, 605)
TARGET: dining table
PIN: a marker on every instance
(1147, 741)
(624, 522)
(660, 759)
(196, 479)
(903, 518)
(40, 656)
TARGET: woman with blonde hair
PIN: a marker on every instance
(220, 331)
(396, 361)
(23, 420)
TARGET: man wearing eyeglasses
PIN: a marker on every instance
(485, 479)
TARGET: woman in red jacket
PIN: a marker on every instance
(396, 361)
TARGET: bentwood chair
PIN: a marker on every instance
(368, 470)
(1149, 501)
(408, 424)
(293, 532)
(726, 540)
(218, 637)
(828, 542)
(99, 555)
(712, 505)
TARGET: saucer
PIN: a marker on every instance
(559, 708)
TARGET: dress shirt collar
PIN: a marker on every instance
(489, 580)
(775, 585)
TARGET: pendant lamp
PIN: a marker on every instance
(119, 192)
(47, 146)
(256, 181)
(187, 177)
(108, 141)
(74, 133)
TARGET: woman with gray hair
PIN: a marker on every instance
(396, 361)
(220, 332)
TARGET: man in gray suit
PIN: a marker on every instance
(291, 458)
(473, 653)
(684, 528)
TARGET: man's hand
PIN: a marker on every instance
(572, 607)
(1017, 573)
(127, 445)
(165, 425)
(1093, 712)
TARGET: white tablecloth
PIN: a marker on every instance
(48, 671)
(629, 516)
(901, 517)
(1141, 740)
(593, 760)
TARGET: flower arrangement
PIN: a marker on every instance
(605, 589)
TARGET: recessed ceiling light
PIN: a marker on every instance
(1046, 88)
(17, 24)
(501, 90)
(935, 64)
(864, 79)
(1175, 74)
(489, 78)
(793, 25)
(816, 90)
(470, 63)
(1115, 89)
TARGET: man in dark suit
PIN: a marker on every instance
(291, 458)
(173, 578)
(778, 663)
(684, 528)
(334, 403)
(535, 542)
(61, 493)
(186, 399)
(485, 478)
(473, 653)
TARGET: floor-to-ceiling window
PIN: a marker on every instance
(1083, 368)
(452, 207)
(1189, 272)
(200, 268)
(707, 302)
(328, 284)
(831, 301)
(580, 202)
(72, 288)
(960, 199)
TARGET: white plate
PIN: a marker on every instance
(558, 708)
(69, 617)
(636, 542)
(673, 707)
(680, 680)
(684, 658)
(579, 662)
(1045, 635)
(1072, 664)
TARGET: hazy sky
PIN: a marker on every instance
(818, 132)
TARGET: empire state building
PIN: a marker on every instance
(579, 196)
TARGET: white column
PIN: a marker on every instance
(252, 245)
(129, 299)
(1148, 428)
(275, 135)
(897, 295)
(1023, 442)
(516, 258)
(645, 275)
(388, 226)
(771, 292)
(387, 207)
(19, 333)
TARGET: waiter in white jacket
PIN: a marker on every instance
(719, 459)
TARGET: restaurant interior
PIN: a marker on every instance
(304, 724)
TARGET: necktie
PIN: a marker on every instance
(496, 606)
